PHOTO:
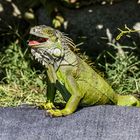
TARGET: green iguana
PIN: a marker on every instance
(78, 83)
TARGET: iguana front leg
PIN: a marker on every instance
(73, 101)
(51, 89)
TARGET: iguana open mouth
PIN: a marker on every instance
(36, 41)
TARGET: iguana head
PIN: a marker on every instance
(46, 46)
(49, 45)
(43, 34)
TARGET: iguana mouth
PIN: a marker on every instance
(36, 41)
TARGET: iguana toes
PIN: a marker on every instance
(78, 83)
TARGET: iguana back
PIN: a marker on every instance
(93, 88)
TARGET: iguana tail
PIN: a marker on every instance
(128, 100)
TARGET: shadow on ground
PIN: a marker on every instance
(96, 25)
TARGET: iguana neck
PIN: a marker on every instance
(69, 58)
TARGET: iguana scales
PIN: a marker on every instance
(78, 83)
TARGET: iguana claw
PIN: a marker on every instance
(59, 113)
(47, 106)
(54, 113)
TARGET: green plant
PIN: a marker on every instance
(125, 32)
(21, 84)
(124, 72)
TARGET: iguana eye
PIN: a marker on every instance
(56, 52)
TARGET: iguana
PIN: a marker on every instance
(78, 83)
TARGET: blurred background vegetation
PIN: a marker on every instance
(93, 25)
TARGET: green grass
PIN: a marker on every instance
(124, 72)
(21, 83)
